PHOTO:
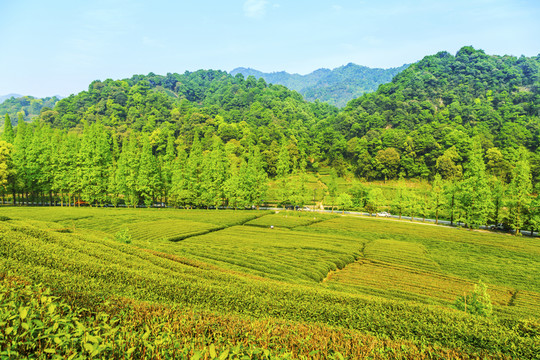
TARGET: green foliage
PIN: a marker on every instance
(123, 236)
(477, 303)
(179, 298)
(28, 106)
(335, 87)
(8, 134)
(519, 190)
(7, 169)
(206, 138)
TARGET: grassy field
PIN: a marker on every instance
(223, 284)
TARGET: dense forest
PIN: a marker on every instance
(468, 123)
(335, 87)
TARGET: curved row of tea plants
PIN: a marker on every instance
(92, 269)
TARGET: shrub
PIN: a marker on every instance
(123, 236)
(477, 303)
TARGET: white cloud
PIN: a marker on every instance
(255, 8)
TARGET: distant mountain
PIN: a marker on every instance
(336, 87)
(8, 96)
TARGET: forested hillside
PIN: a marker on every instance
(423, 121)
(336, 87)
(5, 97)
(206, 138)
(27, 106)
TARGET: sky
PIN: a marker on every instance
(59, 47)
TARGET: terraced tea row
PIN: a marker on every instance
(402, 293)
(290, 219)
(275, 253)
(497, 259)
(399, 282)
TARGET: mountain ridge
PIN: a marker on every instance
(9, 96)
(334, 86)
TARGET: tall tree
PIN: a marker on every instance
(8, 134)
(256, 178)
(498, 193)
(148, 177)
(400, 200)
(20, 159)
(95, 162)
(333, 187)
(283, 164)
(7, 170)
(519, 190)
(167, 166)
(437, 198)
(214, 173)
(127, 171)
(375, 200)
(475, 193)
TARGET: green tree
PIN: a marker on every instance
(446, 164)
(148, 178)
(413, 204)
(475, 193)
(388, 162)
(95, 161)
(7, 169)
(375, 200)
(256, 178)
(127, 171)
(192, 174)
(344, 201)
(167, 166)
(8, 134)
(65, 167)
(179, 193)
(437, 198)
(333, 187)
(498, 193)
(477, 303)
(400, 200)
(298, 191)
(451, 194)
(214, 173)
(359, 195)
(283, 163)
(496, 164)
(519, 191)
(20, 159)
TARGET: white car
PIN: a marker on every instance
(384, 214)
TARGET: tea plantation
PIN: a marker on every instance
(83, 283)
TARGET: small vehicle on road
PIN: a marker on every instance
(384, 214)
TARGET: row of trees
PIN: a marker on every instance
(421, 123)
(476, 198)
(41, 164)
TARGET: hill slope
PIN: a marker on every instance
(224, 286)
(29, 106)
(422, 123)
(8, 96)
(336, 87)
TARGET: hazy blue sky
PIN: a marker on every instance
(59, 47)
